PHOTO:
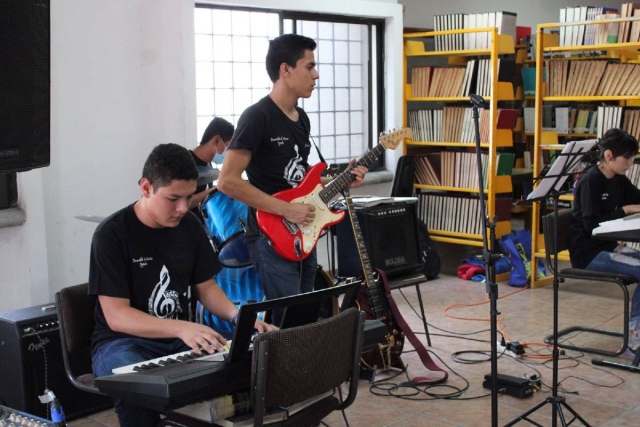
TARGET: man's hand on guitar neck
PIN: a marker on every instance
(358, 172)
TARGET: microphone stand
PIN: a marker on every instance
(489, 263)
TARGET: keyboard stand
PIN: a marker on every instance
(632, 367)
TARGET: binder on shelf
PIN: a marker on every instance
(506, 118)
(521, 34)
(529, 81)
(504, 163)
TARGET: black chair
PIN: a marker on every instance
(296, 364)
(75, 317)
(622, 280)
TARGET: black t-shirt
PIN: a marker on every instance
(200, 188)
(154, 268)
(597, 199)
(279, 150)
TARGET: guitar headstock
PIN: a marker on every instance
(391, 139)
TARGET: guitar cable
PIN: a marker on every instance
(543, 358)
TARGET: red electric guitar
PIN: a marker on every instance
(294, 242)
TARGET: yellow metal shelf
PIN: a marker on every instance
(562, 256)
(502, 228)
(548, 47)
(589, 98)
(502, 184)
(446, 144)
(415, 48)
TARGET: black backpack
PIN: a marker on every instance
(403, 187)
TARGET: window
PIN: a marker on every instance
(345, 109)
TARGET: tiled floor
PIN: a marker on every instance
(602, 396)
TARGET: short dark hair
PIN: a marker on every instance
(619, 142)
(167, 163)
(287, 48)
(217, 126)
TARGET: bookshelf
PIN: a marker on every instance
(443, 132)
(596, 77)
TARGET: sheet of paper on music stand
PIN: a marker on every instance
(571, 155)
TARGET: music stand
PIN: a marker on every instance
(550, 187)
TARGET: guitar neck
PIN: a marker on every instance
(345, 178)
(374, 297)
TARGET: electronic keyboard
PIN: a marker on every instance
(183, 356)
(176, 384)
(624, 229)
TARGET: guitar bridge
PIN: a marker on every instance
(291, 227)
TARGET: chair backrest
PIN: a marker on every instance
(75, 317)
(550, 229)
(403, 178)
(306, 361)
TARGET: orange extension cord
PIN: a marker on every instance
(504, 334)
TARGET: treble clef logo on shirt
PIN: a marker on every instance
(164, 303)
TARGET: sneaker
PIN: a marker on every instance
(633, 342)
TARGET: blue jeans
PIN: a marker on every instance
(626, 261)
(280, 277)
(123, 352)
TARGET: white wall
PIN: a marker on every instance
(122, 76)
(419, 13)
(122, 81)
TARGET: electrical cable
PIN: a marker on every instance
(456, 356)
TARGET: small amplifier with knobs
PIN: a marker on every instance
(14, 418)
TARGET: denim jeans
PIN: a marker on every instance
(280, 277)
(626, 261)
(123, 352)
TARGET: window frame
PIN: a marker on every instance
(373, 24)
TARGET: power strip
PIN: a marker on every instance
(503, 350)
(513, 349)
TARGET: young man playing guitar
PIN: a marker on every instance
(272, 145)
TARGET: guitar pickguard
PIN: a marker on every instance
(324, 217)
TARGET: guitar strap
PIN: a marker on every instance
(426, 359)
(308, 132)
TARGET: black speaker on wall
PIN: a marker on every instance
(31, 360)
(24, 84)
(390, 236)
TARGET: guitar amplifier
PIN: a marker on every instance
(390, 235)
(31, 360)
